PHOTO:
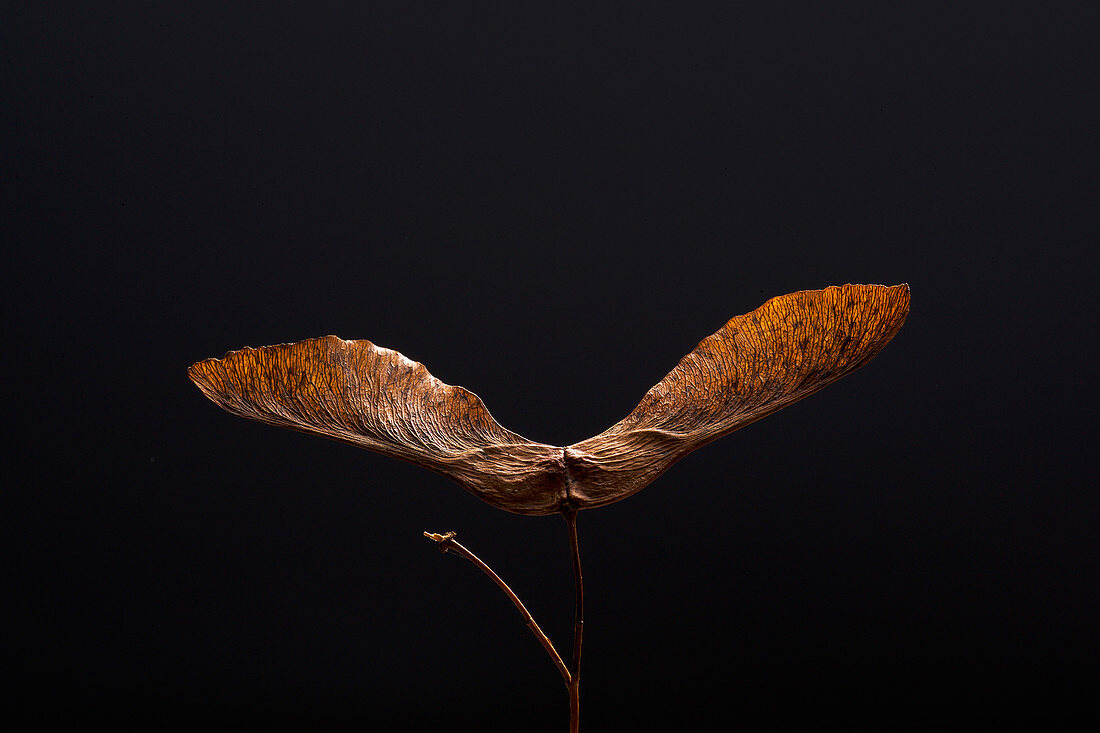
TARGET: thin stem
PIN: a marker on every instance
(448, 543)
(578, 623)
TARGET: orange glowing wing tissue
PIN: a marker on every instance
(757, 363)
(375, 398)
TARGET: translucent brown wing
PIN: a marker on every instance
(375, 398)
(758, 363)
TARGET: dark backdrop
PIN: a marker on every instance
(549, 206)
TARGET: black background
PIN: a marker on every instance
(550, 205)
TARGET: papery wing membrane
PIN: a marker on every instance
(375, 398)
(758, 363)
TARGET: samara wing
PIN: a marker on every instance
(375, 398)
(758, 363)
